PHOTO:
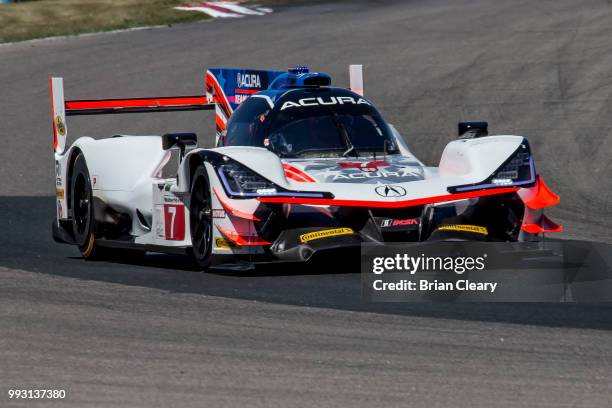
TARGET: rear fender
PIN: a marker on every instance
(121, 169)
(122, 163)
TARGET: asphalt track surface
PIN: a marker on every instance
(159, 333)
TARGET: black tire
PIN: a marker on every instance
(200, 219)
(83, 222)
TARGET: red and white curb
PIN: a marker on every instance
(225, 9)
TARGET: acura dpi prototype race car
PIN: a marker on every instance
(299, 168)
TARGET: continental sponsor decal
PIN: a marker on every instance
(59, 193)
(223, 243)
(476, 229)
(325, 234)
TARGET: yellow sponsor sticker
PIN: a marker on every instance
(476, 229)
(59, 193)
(60, 126)
(325, 234)
(223, 243)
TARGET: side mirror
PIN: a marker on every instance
(278, 144)
(470, 130)
(170, 140)
(180, 140)
(221, 139)
(389, 147)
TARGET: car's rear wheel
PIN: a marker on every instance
(200, 219)
(83, 222)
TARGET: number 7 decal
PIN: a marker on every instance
(174, 221)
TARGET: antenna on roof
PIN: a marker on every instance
(356, 78)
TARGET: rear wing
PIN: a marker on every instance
(226, 89)
(62, 108)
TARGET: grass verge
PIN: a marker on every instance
(46, 18)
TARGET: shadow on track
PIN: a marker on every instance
(27, 245)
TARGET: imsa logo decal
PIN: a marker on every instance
(332, 100)
(390, 222)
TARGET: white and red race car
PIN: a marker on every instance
(300, 168)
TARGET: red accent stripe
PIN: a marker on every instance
(388, 204)
(537, 229)
(539, 196)
(247, 91)
(242, 240)
(299, 173)
(221, 100)
(233, 211)
(295, 177)
(137, 102)
(362, 165)
(538, 223)
(219, 95)
(220, 124)
(55, 141)
(217, 8)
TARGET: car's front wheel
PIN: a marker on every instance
(200, 219)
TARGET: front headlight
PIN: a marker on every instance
(516, 170)
(241, 181)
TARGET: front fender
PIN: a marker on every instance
(260, 160)
(476, 159)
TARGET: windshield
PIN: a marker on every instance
(311, 123)
(315, 129)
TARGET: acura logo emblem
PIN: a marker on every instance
(390, 191)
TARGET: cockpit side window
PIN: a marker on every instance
(244, 125)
